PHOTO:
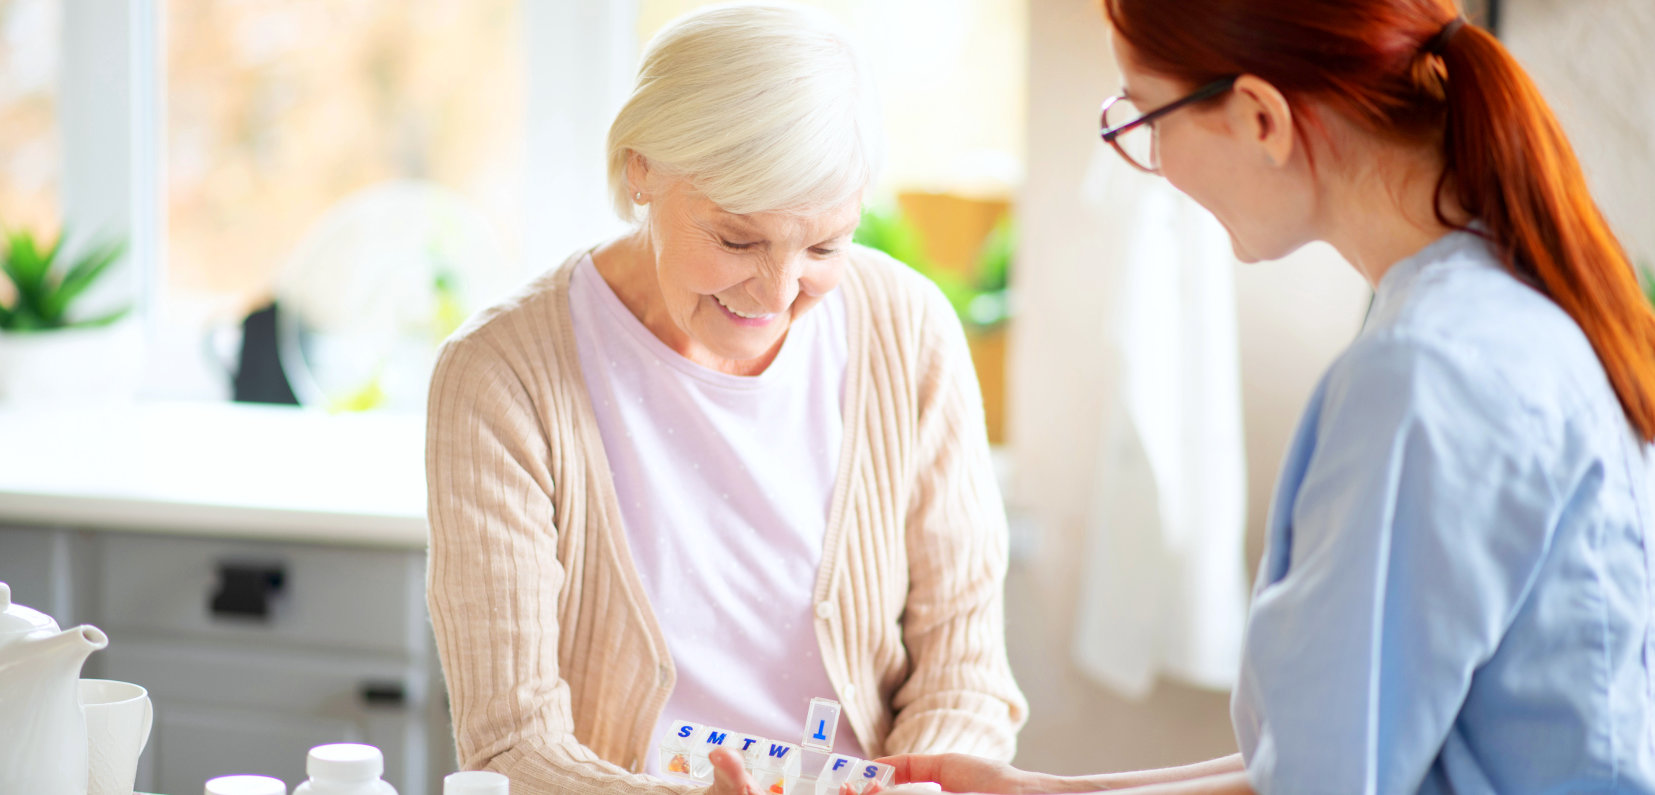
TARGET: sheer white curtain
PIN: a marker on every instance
(1162, 586)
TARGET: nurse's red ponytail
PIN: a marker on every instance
(1383, 64)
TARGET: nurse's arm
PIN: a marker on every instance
(1222, 784)
(964, 773)
(1212, 772)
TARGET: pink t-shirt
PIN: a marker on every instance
(724, 483)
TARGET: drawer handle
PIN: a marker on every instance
(384, 694)
(245, 590)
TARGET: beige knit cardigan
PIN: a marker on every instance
(557, 670)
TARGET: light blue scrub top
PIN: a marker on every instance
(1455, 594)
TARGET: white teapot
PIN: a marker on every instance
(43, 746)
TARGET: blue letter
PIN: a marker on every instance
(872, 771)
(685, 731)
(779, 751)
(838, 763)
(748, 743)
(716, 737)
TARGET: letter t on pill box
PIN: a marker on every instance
(821, 724)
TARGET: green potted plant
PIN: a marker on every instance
(50, 347)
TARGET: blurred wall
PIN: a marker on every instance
(1592, 61)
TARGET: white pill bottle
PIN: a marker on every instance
(476, 782)
(345, 769)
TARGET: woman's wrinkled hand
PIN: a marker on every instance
(961, 773)
(729, 776)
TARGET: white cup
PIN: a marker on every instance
(118, 718)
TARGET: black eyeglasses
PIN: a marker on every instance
(1120, 118)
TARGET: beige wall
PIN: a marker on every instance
(1593, 62)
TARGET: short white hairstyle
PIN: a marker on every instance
(761, 107)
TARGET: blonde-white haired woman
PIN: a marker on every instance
(724, 463)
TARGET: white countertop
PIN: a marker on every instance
(224, 469)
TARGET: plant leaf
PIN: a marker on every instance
(995, 255)
(26, 264)
(101, 320)
(27, 268)
(25, 320)
(80, 276)
(887, 230)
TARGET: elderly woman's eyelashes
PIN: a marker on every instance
(820, 251)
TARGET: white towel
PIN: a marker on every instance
(1163, 588)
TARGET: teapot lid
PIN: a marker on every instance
(18, 620)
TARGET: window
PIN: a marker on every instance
(382, 167)
(29, 141)
(354, 159)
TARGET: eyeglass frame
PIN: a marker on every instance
(1111, 135)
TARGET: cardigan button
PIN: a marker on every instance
(850, 692)
(824, 610)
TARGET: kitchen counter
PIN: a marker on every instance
(224, 469)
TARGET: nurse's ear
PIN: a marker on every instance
(1261, 115)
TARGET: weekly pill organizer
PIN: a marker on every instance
(777, 766)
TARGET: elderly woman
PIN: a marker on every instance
(724, 463)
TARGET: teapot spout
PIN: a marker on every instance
(63, 650)
(81, 640)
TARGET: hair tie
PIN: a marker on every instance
(1437, 44)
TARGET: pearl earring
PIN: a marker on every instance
(638, 197)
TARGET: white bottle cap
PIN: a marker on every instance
(246, 785)
(345, 762)
(475, 782)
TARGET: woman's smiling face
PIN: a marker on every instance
(733, 284)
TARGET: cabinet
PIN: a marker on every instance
(252, 650)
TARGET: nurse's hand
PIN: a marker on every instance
(963, 773)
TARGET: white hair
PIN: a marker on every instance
(761, 107)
